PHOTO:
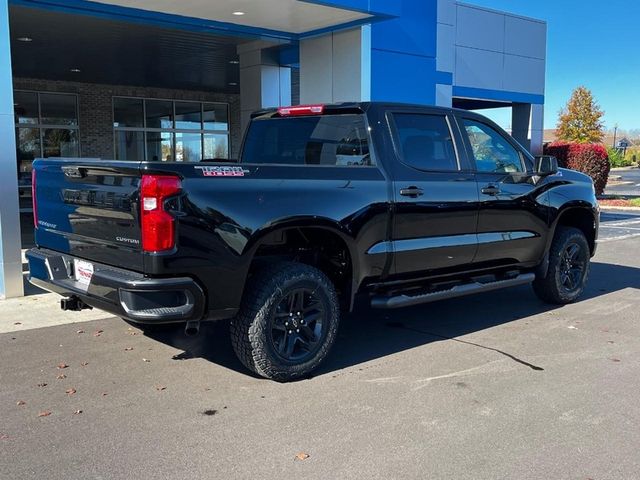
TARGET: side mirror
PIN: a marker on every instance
(546, 165)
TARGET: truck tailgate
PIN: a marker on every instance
(89, 209)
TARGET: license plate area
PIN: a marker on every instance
(82, 273)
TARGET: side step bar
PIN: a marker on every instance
(401, 301)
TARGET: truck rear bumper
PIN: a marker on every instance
(126, 294)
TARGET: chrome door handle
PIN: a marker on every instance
(413, 192)
(491, 190)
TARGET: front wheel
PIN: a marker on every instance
(569, 263)
(287, 323)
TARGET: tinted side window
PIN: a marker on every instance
(492, 152)
(316, 140)
(425, 142)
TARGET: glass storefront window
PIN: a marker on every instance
(188, 115)
(160, 146)
(188, 147)
(57, 142)
(182, 131)
(46, 126)
(128, 112)
(58, 109)
(216, 116)
(159, 113)
(28, 142)
(25, 106)
(130, 145)
(216, 146)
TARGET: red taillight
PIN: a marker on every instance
(34, 201)
(158, 226)
(301, 110)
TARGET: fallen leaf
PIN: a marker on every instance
(79, 331)
(302, 456)
(20, 403)
(62, 366)
(160, 387)
(46, 413)
(616, 360)
(84, 364)
(97, 333)
(104, 394)
(70, 391)
(17, 323)
(210, 412)
(133, 333)
(42, 384)
(611, 342)
(128, 349)
(77, 412)
(146, 360)
(62, 376)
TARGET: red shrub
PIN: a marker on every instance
(589, 158)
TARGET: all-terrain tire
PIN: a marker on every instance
(556, 288)
(253, 330)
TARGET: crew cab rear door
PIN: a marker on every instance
(435, 194)
(512, 225)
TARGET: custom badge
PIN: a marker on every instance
(223, 171)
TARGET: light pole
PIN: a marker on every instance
(615, 134)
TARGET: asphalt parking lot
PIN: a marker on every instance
(486, 387)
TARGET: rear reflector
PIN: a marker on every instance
(301, 110)
(158, 226)
(34, 201)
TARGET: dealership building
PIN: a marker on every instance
(158, 80)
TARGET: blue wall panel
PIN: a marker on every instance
(403, 55)
(383, 7)
(413, 32)
(399, 77)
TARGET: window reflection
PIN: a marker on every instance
(167, 130)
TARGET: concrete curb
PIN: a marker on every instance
(632, 209)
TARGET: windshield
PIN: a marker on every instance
(315, 140)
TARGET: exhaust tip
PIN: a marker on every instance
(192, 328)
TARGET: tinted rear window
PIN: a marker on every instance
(315, 140)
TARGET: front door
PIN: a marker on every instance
(511, 221)
(435, 195)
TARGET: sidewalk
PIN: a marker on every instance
(39, 309)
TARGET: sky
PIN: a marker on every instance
(591, 43)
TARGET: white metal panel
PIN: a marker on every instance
(283, 15)
(347, 65)
(478, 68)
(479, 28)
(444, 95)
(522, 74)
(524, 37)
(336, 67)
(445, 60)
(447, 12)
(10, 242)
(316, 70)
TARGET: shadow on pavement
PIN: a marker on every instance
(373, 334)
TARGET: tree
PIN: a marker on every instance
(581, 119)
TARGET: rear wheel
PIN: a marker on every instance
(287, 323)
(569, 264)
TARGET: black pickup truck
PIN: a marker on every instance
(400, 204)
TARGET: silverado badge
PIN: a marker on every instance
(223, 171)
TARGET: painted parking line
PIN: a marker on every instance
(615, 239)
(620, 227)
